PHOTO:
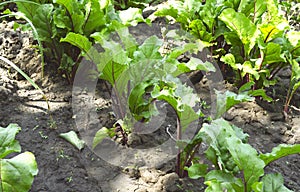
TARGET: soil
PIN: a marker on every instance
(62, 167)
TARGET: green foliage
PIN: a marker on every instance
(60, 23)
(72, 137)
(137, 87)
(272, 182)
(238, 166)
(125, 4)
(280, 151)
(130, 70)
(227, 99)
(249, 36)
(17, 173)
(294, 83)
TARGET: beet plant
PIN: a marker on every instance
(18, 172)
(237, 165)
(140, 77)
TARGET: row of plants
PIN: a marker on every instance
(56, 22)
(253, 39)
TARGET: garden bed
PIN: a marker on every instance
(62, 167)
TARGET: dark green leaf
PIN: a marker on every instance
(94, 17)
(280, 151)
(226, 181)
(274, 183)
(78, 40)
(74, 13)
(272, 54)
(247, 160)
(42, 20)
(28, 8)
(197, 170)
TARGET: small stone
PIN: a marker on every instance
(149, 176)
(276, 117)
(169, 182)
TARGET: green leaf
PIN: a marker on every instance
(182, 104)
(228, 99)
(213, 186)
(269, 32)
(253, 9)
(78, 40)
(242, 26)
(247, 159)
(225, 181)
(198, 29)
(177, 10)
(260, 93)
(137, 103)
(8, 144)
(247, 68)
(257, 187)
(131, 16)
(115, 52)
(128, 40)
(293, 37)
(100, 135)
(272, 54)
(61, 19)
(72, 137)
(274, 183)
(175, 53)
(149, 49)
(42, 20)
(230, 60)
(112, 71)
(187, 115)
(17, 174)
(94, 17)
(74, 13)
(215, 135)
(104, 4)
(196, 170)
(194, 64)
(295, 79)
(280, 151)
(29, 8)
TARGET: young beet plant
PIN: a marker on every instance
(17, 173)
(238, 166)
(140, 76)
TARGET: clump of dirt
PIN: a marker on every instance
(18, 47)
